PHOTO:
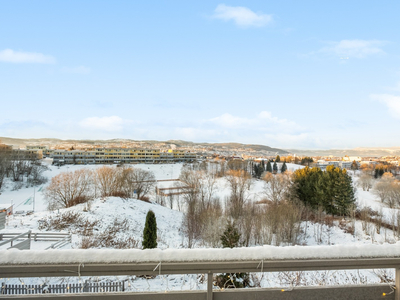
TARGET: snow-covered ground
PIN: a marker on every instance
(170, 234)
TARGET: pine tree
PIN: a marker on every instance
(278, 158)
(150, 231)
(284, 167)
(275, 167)
(269, 167)
(230, 238)
(331, 189)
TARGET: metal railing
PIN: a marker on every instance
(154, 268)
(37, 236)
(60, 239)
(24, 245)
(61, 243)
(65, 288)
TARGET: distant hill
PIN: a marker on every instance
(259, 149)
(361, 151)
(51, 142)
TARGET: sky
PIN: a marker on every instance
(287, 74)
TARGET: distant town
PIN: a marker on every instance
(123, 152)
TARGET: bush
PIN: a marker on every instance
(150, 231)
(332, 189)
(230, 239)
(60, 222)
(110, 238)
(68, 188)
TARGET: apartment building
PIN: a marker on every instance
(46, 152)
(120, 156)
(342, 164)
(23, 154)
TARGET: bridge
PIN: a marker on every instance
(61, 263)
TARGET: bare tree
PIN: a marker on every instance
(107, 180)
(142, 181)
(239, 182)
(206, 187)
(36, 171)
(213, 220)
(190, 189)
(365, 180)
(382, 187)
(4, 164)
(247, 222)
(276, 187)
(393, 196)
(69, 188)
(283, 220)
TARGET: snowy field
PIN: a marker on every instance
(171, 236)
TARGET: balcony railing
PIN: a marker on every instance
(62, 263)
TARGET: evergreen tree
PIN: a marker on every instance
(230, 239)
(269, 167)
(257, 170)
(332, 189)
(275, 167)
(284, 167)
(263, 165)
(260, 170)
(278, 158)
(150, 231)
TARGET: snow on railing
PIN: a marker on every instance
(76, 256)
(156, 262)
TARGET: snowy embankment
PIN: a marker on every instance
(263, 253)
(104, 211)
(29, 198)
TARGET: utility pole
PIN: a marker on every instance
(34, 198)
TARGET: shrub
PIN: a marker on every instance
(230, 239)
(150, 231)
(60, 222)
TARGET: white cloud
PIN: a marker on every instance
(263, 121)
(12, 56)
(110, 124)
(354, 48)
(76, 70)
(242, 16)
(391, 101)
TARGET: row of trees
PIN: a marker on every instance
(205, 216)
(388, 190)
(18, 168)
(332, 189)
(286, 197)
(71, 188)
(259, 169)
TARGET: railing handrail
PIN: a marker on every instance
(7, 234)
(105, 269)
(213, 255)
(60, 243)
(21, 235)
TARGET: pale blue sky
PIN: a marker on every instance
(289, 74)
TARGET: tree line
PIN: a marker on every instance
(20, 169)
(70, 188)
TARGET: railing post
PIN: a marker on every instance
(210, 285)
(397, 291)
